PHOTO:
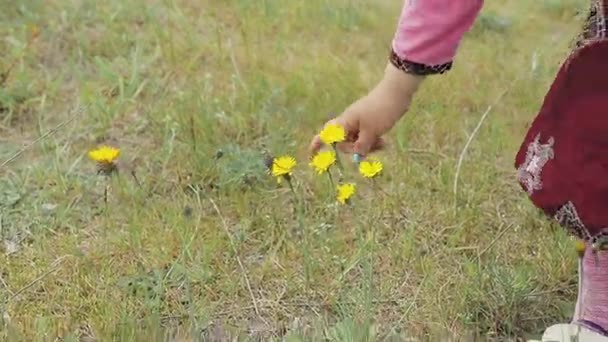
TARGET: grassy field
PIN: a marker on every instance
(196, 239)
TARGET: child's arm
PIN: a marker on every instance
(425, 42)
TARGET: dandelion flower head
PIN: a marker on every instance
(580, 247)
(282, 167)
(370, 168)
(104, 154)
(345, 192)
(332, 133)
(322, 161)
(34, 31)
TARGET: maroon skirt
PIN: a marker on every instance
(563, 160)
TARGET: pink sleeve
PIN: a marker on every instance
(429, 31)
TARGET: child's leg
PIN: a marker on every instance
(579, 293)
(593, 292)
(590, 319)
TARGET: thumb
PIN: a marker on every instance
(365, 141)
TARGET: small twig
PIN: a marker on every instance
(411, 306)
(502, 232)
(45, 135)
(421, 151)
(474, 133)
(464, 248)
(192, 133)
(464, 150)
(55, 267)
(6, 286)
(236, 67)
(134, 175)
(542, 293)
(238, 259)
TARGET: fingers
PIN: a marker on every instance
(315, 145)
(380, 144)
(349, 146)
(346, 147)
(366, 143)
(360, 142)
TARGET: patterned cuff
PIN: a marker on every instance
(594, 28)
(418, 68)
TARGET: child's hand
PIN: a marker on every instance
(372, 116)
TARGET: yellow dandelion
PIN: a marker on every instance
(332, 134)
(322, 161)
(282, 167)
(580, 247)
(104, 154)
(106, 157)
(345, 192)
(34, 31)
(370, 169)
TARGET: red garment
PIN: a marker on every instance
(563, 161)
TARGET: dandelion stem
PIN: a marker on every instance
(338, 161)
(293, 191)
(106, 205)
(331, 179)
(105, 194)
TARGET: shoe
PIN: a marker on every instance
(571, 333)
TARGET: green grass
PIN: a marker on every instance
(178, 83)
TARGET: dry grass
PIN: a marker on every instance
(174, 82)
